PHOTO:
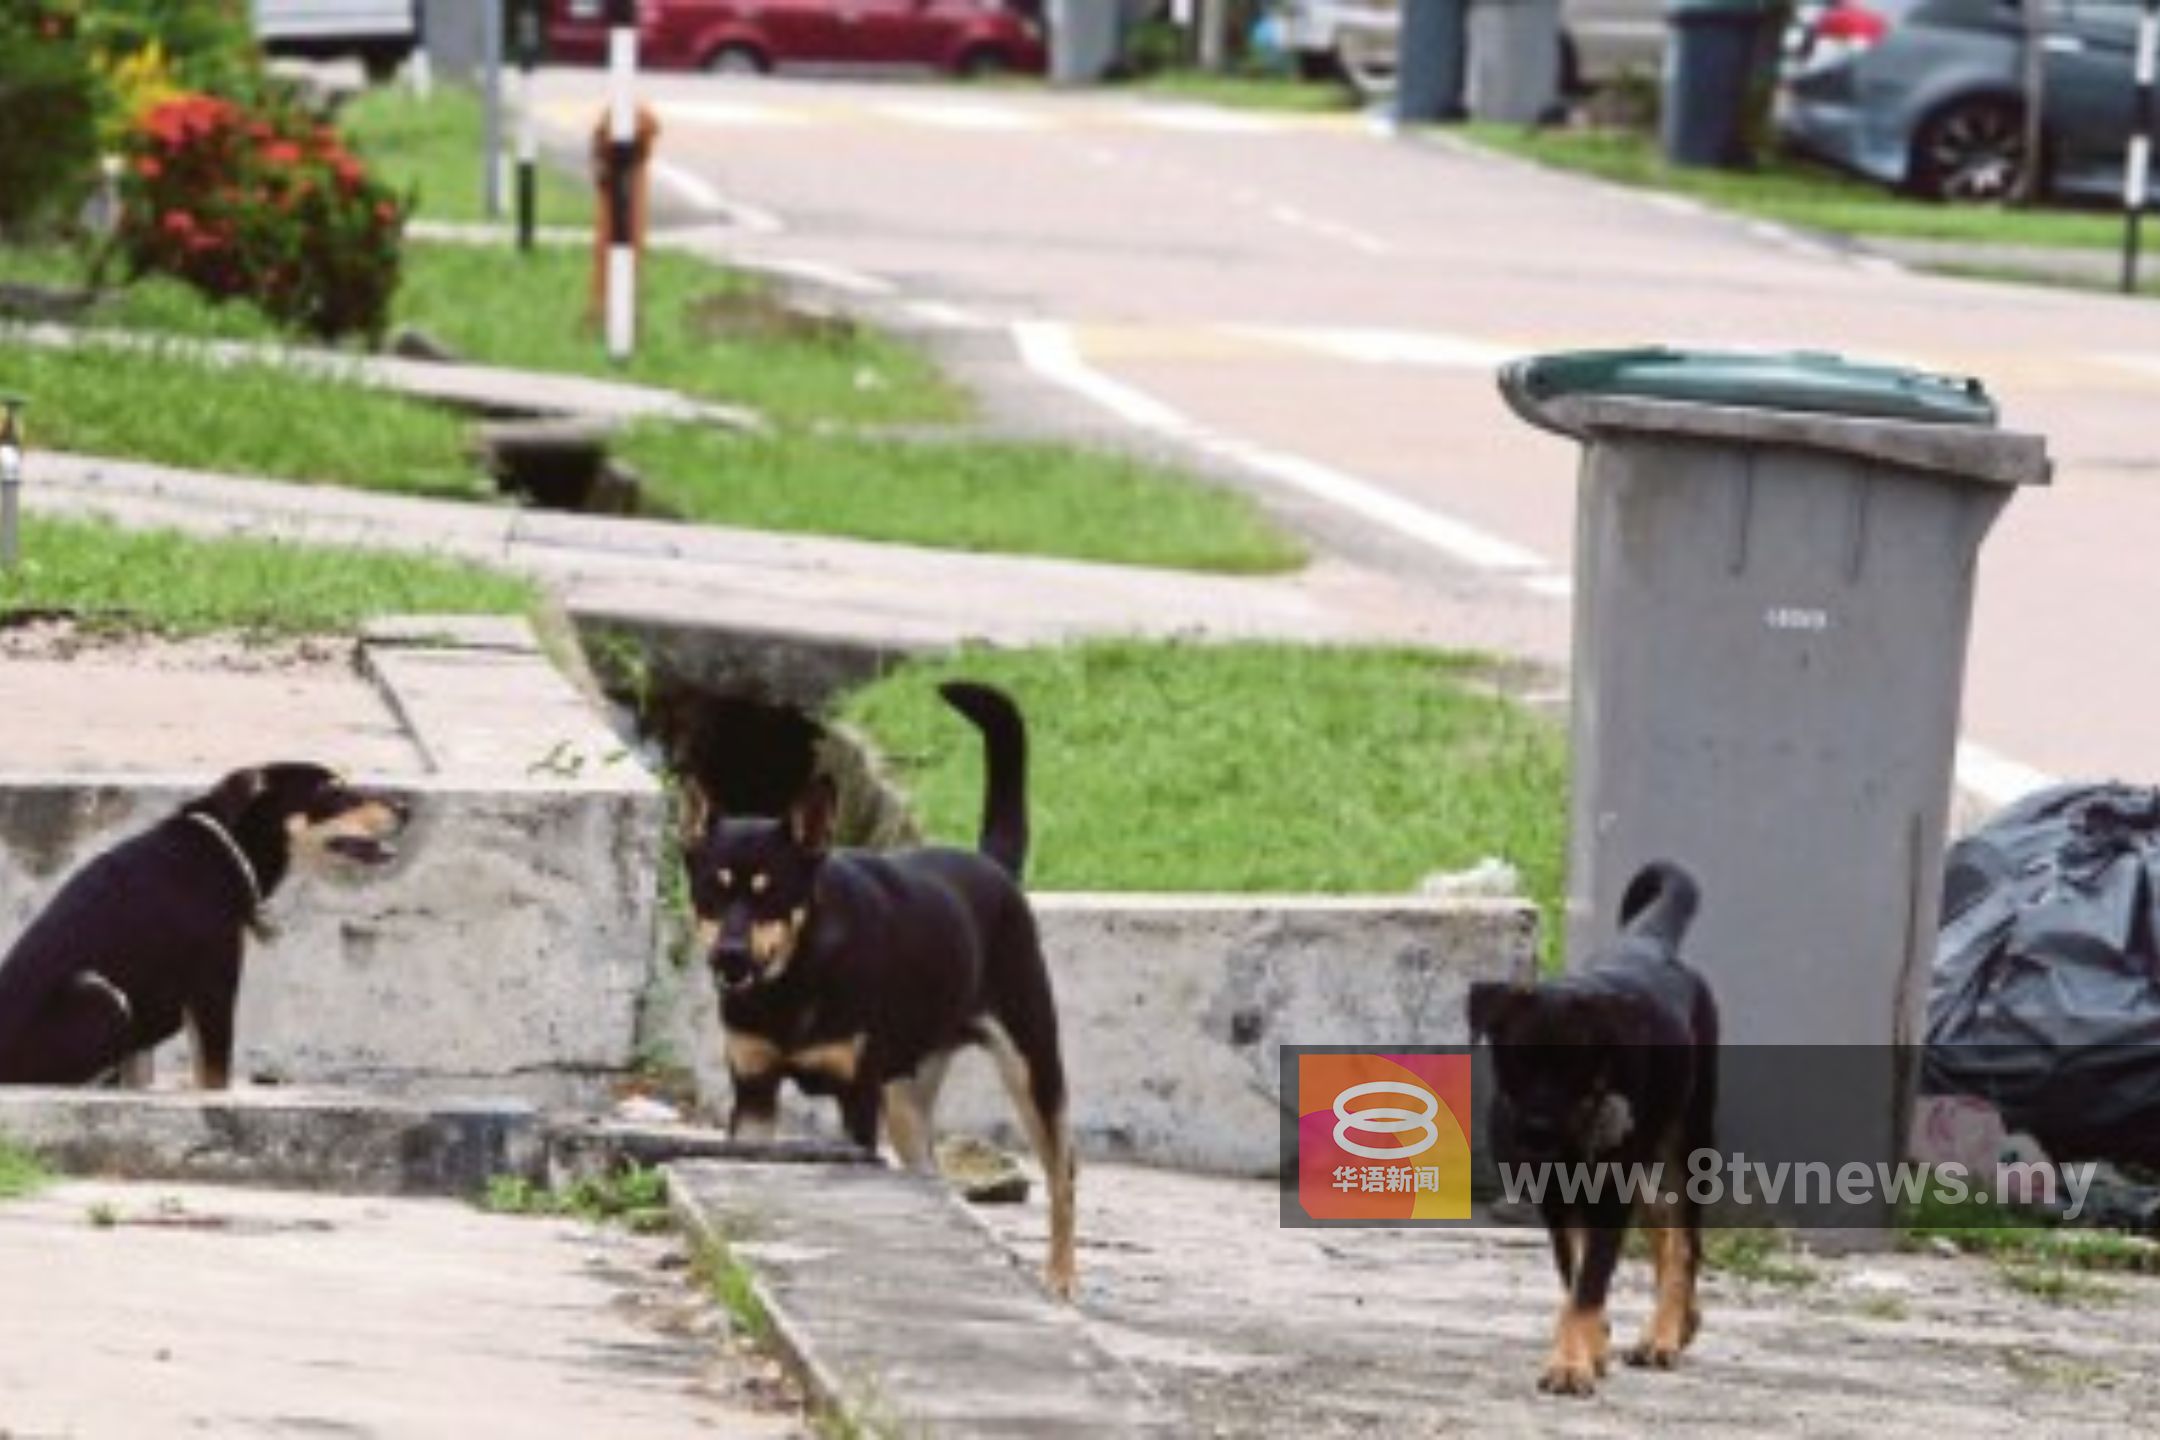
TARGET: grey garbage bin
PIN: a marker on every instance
(1084, 40)
(1514, 68)
(1774, 572)
(1714, 52)
(1433, 47)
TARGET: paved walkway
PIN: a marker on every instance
(754, 581)
(233, 1312)
(487, 388)
(1256, 1332)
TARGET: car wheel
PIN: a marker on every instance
(737, 60)
(1971, 150)
(1314, 66)
(981, 62)
(381, 66)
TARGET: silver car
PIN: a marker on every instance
(1928, 94)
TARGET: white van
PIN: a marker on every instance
(380, 33)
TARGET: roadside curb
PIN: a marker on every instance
(358, 1144)
(900, 1313)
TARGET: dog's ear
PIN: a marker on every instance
(810, 822)
(693, 812)
(1493, 1005)
(229, 800)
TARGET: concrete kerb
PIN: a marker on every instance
(900, 1313)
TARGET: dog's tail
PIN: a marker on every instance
(1004, 835)
(1659, 904)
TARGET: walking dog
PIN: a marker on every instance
(150, 935)
(859, 975)
(1615, 1066)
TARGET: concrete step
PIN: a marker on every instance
(900, 1311)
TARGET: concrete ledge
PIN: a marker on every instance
(900, 1311)
(509, 946)
(356, 1144)
(1174, 1009)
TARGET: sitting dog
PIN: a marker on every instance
(150, 934)
(1613, 1065)
(859, 974)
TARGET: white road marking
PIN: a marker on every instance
(965, 117)
(1997, 779)
(1553, 587)
(1296, 219)
(1047, 348)
(703, 195)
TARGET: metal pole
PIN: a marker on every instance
(2033, 62)
(491, 38)
(10, 481)
(622, 156)
(420, 70)
(2137, 165)
(528, 144)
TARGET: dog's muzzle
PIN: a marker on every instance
(732, 965)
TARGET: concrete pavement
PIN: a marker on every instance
(1316, 308)
(141, 1310)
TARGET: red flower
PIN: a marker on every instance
(284, 152)
(178, 223)
(385, 213)
(149, 167)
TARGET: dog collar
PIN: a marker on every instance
(239, 858)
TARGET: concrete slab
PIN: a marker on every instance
(707, 585)
(489, 389)
(356, 1144)
(222, 1312)
(902, 1312)
(509, 946)
(1262, 1333)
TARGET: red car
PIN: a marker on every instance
(963, 37)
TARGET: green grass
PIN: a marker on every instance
(432, 150)
(154, 303)
(21, 1173)
(245, 419)
(1277, 93)
(635, 1198)
(2058, 1285)
(1248, 767)
(1795, 193)
(175, 584)
(2018, 1237)
(705, 330)
(729, 1281)
(1011, 497)
(1766, 1257)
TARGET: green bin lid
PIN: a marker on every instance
(1812, 382)
(1688, 9)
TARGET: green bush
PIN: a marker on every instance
(48, 122)
(262, 203)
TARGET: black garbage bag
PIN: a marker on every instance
(2045, 997)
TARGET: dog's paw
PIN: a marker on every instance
(1061, 1282)
(1650, 1355)
(1564, 1377)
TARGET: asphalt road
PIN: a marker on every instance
(1319, 307)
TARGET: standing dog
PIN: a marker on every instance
(858, 974)
(1616, 1066)
(150, 935)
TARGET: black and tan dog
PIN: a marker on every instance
(150, 935)
(1614, 1065)
(859, 975)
